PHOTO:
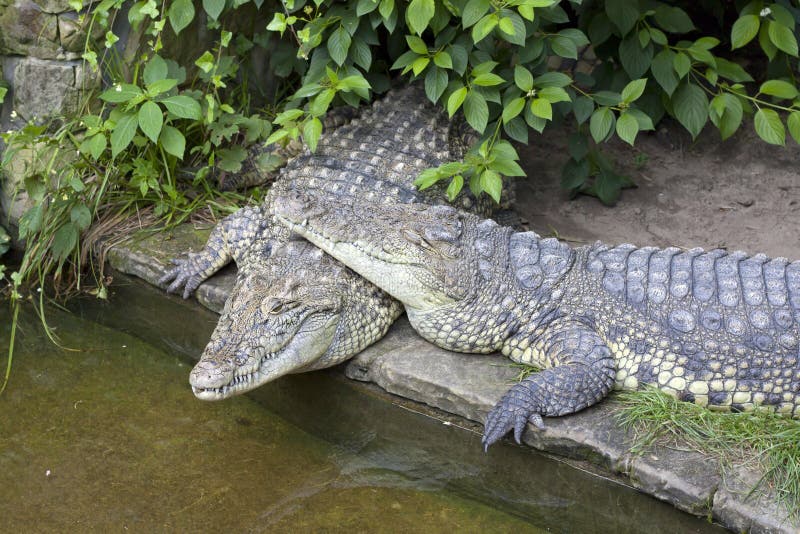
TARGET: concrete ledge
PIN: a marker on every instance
(469, 385)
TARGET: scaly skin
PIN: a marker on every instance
(294, 309)
(715, 328)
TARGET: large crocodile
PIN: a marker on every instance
(293, 308)
(716, 328)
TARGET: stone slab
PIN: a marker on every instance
(469, 385)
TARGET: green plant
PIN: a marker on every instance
(762, 437)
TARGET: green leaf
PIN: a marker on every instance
(181, 14)
(574, 174)
(435, 84)
(779, 88)
(673, 19)
(766, 43)
(213, 8)
(682, 64)
(635, 59)
(484, 27)
(366, 6)
(476, 111)
(554, 94)
(690, 106)
(552, 79)
(732, 118)
(627, 127)
(492, 183)
(564, 47)
(601, 123)
(94, 146)
(541, 107)
(419, 14)
(473, 12)
(205, 62)
(506, 26)
(419, 65)
(151, 120)
(578, 146)
(487, 80)
(161, 86)
(361, 53)
(582, 108)
(443, 60)
(633, 90)
(173, 141)
(417, 45)
(664, 71)
(769, 127)
(523, 78)
(642, 118)
(386, 8)
(783, 38)
(455, 100)
(744, 30)
(121, 93)
(456, 184)
(623, 14)
(65, 240)
(155, 70)
(320, 104)
(123, 133)
(518, 32)
(732, 71)
(183, 106)
(312, 132)
(512, 109)
(793, 122)
(339, 44)
(80, 216)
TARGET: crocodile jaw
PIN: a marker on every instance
(403, 281)
(212, 380)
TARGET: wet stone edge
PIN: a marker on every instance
(469, 385)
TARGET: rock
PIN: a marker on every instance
(742, 511)
(46, 88)
(27, 30)
(469, 385)
(23, 164)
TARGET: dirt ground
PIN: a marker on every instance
(741, 194)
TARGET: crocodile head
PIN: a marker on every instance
(417, 253)
(271, 326)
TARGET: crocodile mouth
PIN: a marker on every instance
(243, 382)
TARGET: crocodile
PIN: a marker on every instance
(716, 328)
(293, 308)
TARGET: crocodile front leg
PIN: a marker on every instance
(580, 373)
(229, 240)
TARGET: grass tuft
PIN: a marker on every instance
(771, 440)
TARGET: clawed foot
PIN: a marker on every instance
(181, 276)
(509, 413)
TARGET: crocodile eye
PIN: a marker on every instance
(275, 306)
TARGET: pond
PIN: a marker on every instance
(110, 437)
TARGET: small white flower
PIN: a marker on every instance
(47, 473)
(13, 113)
(764, 12)
(118, 88)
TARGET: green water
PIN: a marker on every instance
(110, 438)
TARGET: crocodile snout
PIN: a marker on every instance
(209, 374)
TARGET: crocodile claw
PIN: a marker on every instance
(509, 414)
(181, 276)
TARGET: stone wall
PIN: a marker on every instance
(40, 47)
(41, 44)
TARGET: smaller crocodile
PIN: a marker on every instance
(715, 328)
(293, 308)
